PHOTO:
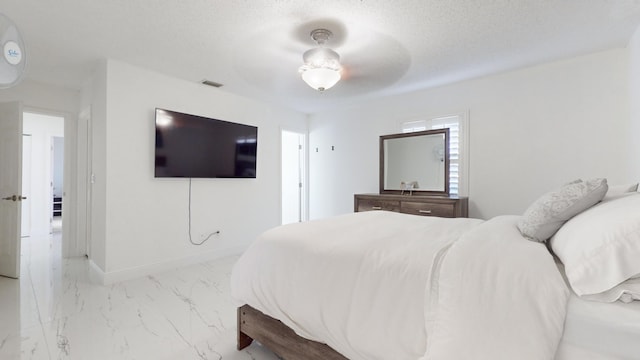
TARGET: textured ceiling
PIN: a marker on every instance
(254, 47)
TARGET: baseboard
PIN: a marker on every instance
(97, 275)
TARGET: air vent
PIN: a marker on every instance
(211, 83)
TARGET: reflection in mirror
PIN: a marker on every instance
(415, 162)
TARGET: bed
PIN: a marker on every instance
(383, 285)
(599, 331)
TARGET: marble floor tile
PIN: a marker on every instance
(55, 312)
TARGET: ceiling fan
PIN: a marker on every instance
(13, 59)
(321, 69)
(354, 59)
(336, 60)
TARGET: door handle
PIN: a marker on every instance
(15, 198)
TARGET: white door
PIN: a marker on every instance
(10, 187)
(293, 170)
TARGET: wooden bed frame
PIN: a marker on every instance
(279, 338)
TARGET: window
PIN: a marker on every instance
(458, 150)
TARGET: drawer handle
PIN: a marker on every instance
(424, 211)
(376, 208)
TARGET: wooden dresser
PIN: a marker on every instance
(443, 206)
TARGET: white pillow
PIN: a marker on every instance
(626, 292)
(616, 191)
(600, 248)
(547, 214)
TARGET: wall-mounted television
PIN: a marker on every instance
(192, 146)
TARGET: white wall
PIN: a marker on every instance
(634, 92)
(530, 131)
(36, 95)
(145, 220)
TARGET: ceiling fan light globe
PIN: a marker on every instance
(321, 78)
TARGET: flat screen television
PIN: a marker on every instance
(192, 146)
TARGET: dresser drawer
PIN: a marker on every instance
(442, 206)
(428, 209)
(377, 204)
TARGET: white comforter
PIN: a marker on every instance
(383, 285)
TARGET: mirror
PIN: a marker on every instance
(415, 163)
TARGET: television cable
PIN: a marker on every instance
(190, 238)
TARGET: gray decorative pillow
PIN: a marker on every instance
(547, 214)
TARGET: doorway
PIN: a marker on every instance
(58, 182)
(32, 133)
(25, 227)
(293, 164)
(42, 174)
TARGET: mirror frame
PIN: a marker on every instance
(445, 132)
